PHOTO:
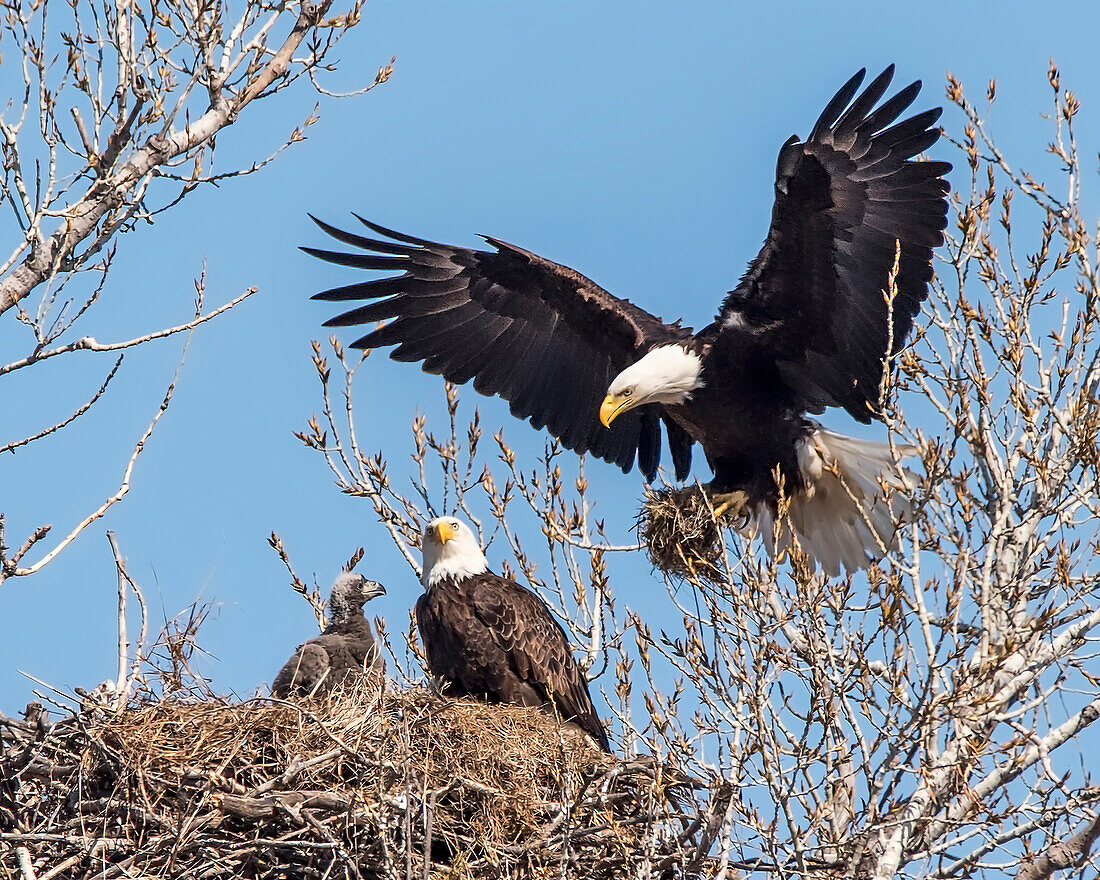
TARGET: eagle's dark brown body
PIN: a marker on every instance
(742, 452)
(489, 638)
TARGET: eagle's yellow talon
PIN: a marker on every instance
(738, 500)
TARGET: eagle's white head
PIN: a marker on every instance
(667, 374)
(450, 549)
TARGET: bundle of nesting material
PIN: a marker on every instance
(682, 534)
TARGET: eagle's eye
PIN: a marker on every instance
(628, 392)
(454, 524)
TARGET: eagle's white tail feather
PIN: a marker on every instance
(852, 505)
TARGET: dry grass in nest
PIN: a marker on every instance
(506, 756)
(399, 785)
(681, 534)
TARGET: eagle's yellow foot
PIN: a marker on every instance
(737, 502)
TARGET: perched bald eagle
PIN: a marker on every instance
(345, 649)
(809, 326)
(489, 638)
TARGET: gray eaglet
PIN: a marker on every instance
(346, 649)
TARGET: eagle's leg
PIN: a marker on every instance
(723, 502)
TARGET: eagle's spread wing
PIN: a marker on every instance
(842, 200)
(538, 650)
(541, 335)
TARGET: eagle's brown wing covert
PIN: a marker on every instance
(538, 650)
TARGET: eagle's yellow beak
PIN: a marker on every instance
(444, 531)
(612, 405)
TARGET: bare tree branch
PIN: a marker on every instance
(1062, 854)
(15, 444)
(7, 569)
(126, 162)
(87, 343)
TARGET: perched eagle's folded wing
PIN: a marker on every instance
(308, 670)
(541, 335)
(538, 650)
(842, 200)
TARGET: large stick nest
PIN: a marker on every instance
(393, 785)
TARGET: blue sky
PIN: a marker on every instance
(634, 142)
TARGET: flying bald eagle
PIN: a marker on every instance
(809, 326)
(489, 638)
(346, 648)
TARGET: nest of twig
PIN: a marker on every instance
(682, 535)
(398, 785)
